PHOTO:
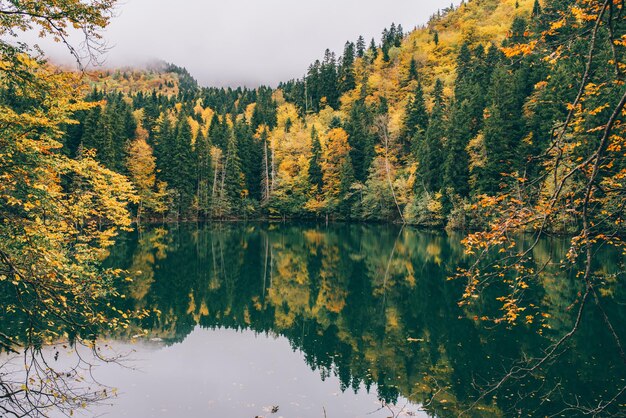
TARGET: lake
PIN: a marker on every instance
(280, 320)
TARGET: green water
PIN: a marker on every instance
(346, 319)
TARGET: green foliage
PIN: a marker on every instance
(466, 114)
(431, 155)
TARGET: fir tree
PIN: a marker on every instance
(502, 131)
(329, 80)
(360, 47)
(536, 10)
(233, 181)
(456, 166)
(346, 79)
(251, 154)
(413, 74)
(361, 140)
(415, 121)
(373, 49)
(183, 168)
(431, 150)
(204, 174)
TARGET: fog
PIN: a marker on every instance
(244, 42)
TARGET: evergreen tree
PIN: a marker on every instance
(251, 154)
(183, 168)
(335, 122)
(536, 10)
(265, 110)
(503, 130)
(456, 166)
(329, 80)
(517, 34)
(463, 72)
(399, 36)
(347, 79)
(204, 174)
(413, 74)
(415, 121)
(233, 181)
(218, 132)
(360, 47)
(163, 145)
(98, 135)
(373, 49)
(361, 140)
(313, 91)
(431, 150)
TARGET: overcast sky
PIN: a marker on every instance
(247, 42)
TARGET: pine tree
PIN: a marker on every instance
(313, 88)
(431, 150)
(346, 78)
(517, 34)
(503, 130)
(183, 168)
(217, 132)
(536, 10)
(360, 47)
(98, 135)
(399, 36)
(456, 166)
(361, 140)
(329, 80)
(413, 74)
(251, 154)
(265, 109)
(415, 121)
(463, 72)
(233, 180)
(373, 49)
(204, 174)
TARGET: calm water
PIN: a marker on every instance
(344, 320)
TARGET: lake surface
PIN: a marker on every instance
(345, 321)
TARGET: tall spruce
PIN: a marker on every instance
(431, 150)
(415, 121)
(346, 78)
(361, 140)
(360, 47)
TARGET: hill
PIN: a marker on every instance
(416, 128)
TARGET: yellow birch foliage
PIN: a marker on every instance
(58, 216)
(335, 151)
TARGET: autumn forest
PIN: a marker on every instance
(415, 128)
(492, 135)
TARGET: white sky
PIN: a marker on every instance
(246, 42)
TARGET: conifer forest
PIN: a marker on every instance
(433, 218)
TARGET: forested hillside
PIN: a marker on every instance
(418, 127)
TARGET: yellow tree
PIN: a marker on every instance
(582, 182)
(337, 170)
(291, 151)
(58, 216)
(142, 169)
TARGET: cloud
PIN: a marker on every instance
(246, 42)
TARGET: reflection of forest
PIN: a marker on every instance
(373, 305)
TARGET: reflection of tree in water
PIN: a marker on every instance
(373, 305)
